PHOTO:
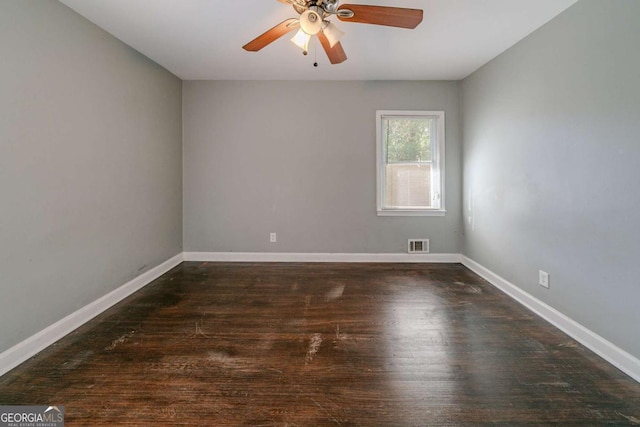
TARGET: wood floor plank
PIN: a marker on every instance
(322, 344)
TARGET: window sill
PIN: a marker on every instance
(409, 212)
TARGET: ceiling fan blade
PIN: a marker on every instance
(272, 35)
(336, 53)
(382, 15)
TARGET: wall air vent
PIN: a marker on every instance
(418, 246)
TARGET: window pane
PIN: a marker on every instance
(408, 139)
(408, 186)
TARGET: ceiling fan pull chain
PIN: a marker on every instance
(315, 53)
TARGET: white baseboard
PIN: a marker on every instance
(318, 257)
(594, 342)
(22, 351)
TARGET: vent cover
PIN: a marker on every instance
(418, 246)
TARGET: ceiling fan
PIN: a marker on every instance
(314, 20)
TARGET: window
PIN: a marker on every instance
(410, 163)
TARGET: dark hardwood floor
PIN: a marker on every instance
(323, 344)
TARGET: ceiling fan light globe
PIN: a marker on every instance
(311, 22)
(301, 39)
(333, 34)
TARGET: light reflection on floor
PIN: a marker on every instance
(428, 342)
(420, 356)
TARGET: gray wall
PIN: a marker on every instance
(551, 166)
(90, 165)
(299, 159)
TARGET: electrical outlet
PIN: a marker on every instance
(543, 278)
(272, 237)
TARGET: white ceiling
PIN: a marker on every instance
(203, 39)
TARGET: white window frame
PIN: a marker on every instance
(438, 178)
